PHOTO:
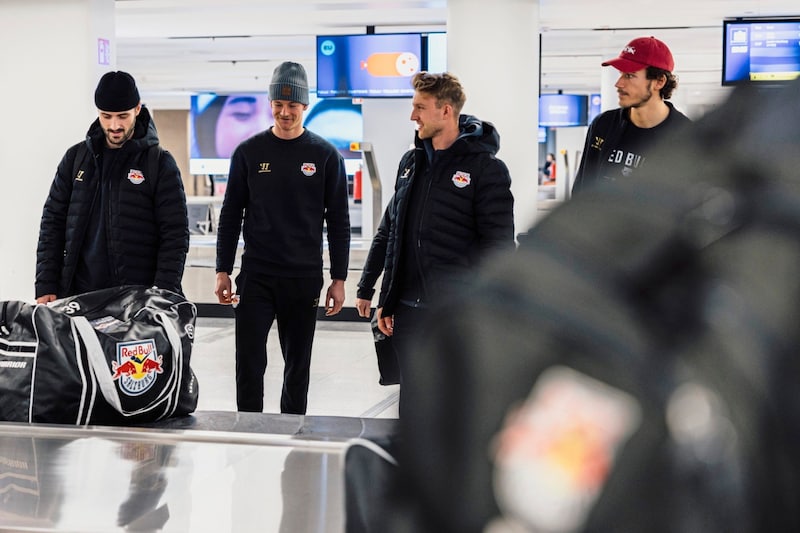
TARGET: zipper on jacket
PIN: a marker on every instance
(425, 199)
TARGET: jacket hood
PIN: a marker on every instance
(144, 134)
(475, 136)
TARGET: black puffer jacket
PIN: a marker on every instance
(468, 211)
(376, 257)
(148, 230)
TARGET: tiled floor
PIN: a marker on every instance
(344, 371)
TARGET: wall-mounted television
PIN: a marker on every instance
(219, 122)
(368, 66)
(760, 50)
(595, 106)
(434, 52)
(542, 135)
(562, 110)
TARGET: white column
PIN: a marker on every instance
(493, 48)
(608, 93)
(50, 65)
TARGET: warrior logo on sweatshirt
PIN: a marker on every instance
(135, 176)
(309, 169)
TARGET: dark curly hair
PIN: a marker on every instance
(654, 73)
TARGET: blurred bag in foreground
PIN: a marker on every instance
(634, 365)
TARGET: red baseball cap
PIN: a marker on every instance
(641, 53)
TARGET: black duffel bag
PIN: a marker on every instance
(113, 356)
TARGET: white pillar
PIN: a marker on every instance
(608, 93)
(50, 65)
(493, 48)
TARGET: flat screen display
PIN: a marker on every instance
(219, 122)
(595, 107)
(369, 65)
(562, 110)
(435, 56)
(762, 51)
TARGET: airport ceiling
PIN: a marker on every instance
(180, 47)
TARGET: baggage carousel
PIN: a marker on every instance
(211, 471)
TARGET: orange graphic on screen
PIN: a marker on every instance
(391, 64)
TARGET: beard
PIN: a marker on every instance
(641, 101)
(114, 139)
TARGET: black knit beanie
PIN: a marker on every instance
(116, 92)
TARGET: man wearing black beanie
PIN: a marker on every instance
(116, 212)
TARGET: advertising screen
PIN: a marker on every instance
(219, 122)
(595, 107)
(369, 65)
(435, 59)
(562, 110)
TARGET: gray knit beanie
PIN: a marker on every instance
(289, 82)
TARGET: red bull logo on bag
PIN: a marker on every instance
(137, 366)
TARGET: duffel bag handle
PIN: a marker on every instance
(97, 359)
(4, 331)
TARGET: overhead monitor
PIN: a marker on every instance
(368, 65)
(763, 51)
(435, 52)
(562, 110)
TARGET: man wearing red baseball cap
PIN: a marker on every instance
(619, 141)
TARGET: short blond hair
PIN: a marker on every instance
(445, 87)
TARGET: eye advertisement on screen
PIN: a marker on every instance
(368, 66)
(219, 122)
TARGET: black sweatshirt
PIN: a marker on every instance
(285, 192)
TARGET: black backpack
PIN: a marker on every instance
(634, 365)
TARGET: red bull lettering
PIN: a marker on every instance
(137, 366)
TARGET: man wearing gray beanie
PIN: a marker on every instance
(116, 212)
(287, 187)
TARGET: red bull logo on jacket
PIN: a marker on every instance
(461, 179)
(135, 176)
(137, 366)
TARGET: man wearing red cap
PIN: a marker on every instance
(619, 141)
